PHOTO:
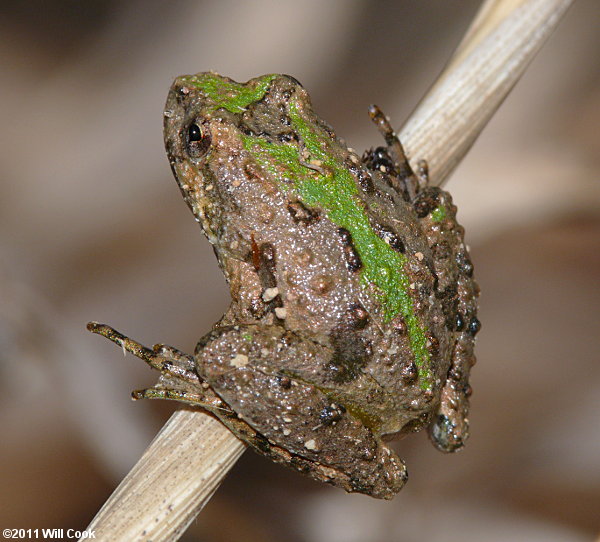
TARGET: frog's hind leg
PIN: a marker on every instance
(294, 421)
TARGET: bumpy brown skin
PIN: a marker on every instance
(313, 374)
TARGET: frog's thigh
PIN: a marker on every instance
(242, 364)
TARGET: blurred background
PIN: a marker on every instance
(92, 226)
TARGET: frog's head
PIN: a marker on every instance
(222, 139)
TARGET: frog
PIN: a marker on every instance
(353, 308)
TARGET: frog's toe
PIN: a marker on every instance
(384, 479)
(394, 474)
(449, 434)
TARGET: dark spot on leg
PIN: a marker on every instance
(365, 182)
(287, 137)
(459, 322)
(387, 235)
(331, 414)
(301, 214)
(474, 326)
(284, 381)
(353, 260)
(426, 201)
(376, 159)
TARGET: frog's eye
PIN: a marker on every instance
(194, 133)
(197, 140)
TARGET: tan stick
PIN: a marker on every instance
(172, 481)
(494, 53)
(188, 459)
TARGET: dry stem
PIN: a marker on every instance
(188, 459)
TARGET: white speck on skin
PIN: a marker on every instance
(240, 360)
(281, 312)
(269, 294)
(310, 444)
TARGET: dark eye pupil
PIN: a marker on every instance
(194, 133)
(197, 141)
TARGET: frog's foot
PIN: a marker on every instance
(179, 380)
(288, 418)
(166, 359)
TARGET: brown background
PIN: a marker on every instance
(92, 226)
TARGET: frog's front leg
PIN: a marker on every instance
(251, 368)
(449, 429)
(412, 181)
